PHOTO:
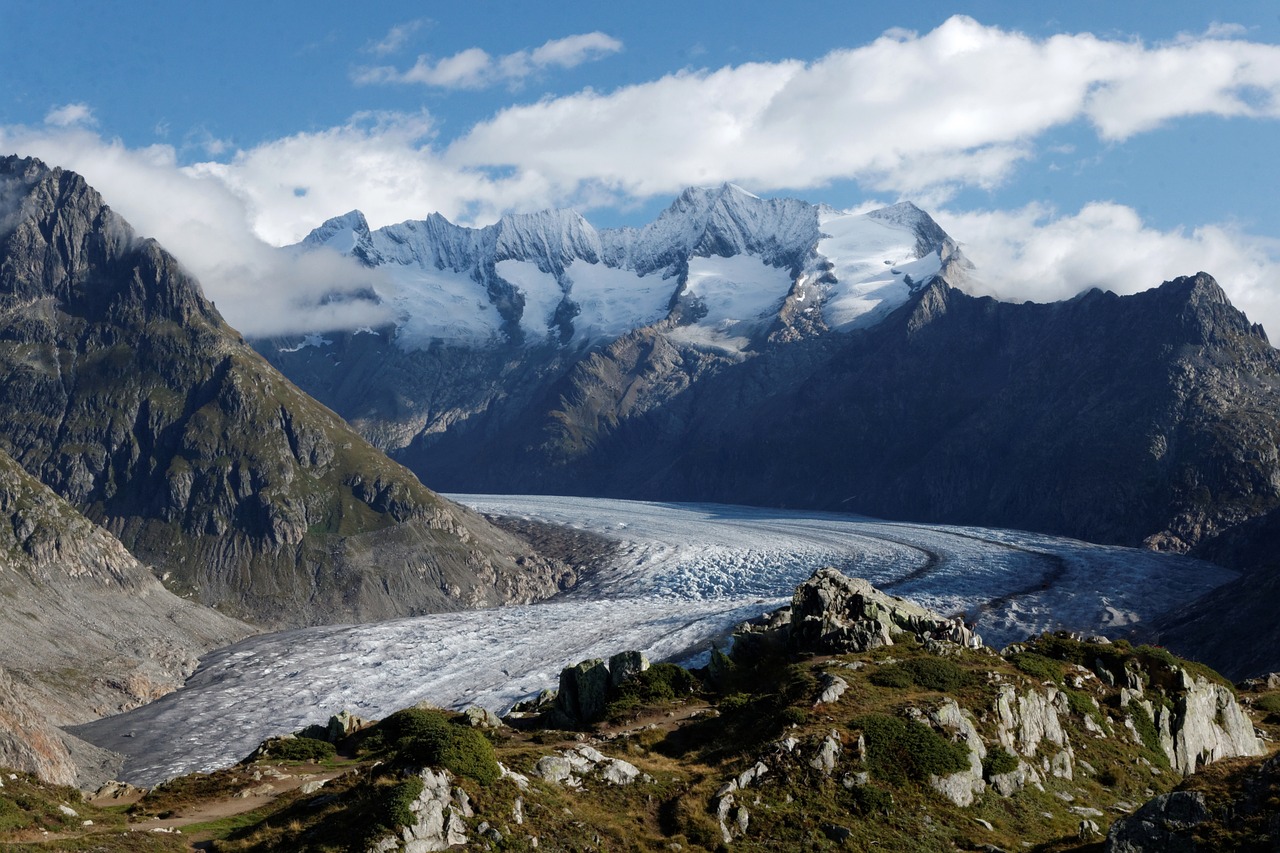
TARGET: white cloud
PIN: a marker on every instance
(906, 115)
(474, 68)
(396, 38)
(1038, 254)
(70, 115)
(259, 289)
(961, 105)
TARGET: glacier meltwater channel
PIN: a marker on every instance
(682, 576)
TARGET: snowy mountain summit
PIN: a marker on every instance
(720, 268)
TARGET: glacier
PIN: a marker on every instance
(682, 576)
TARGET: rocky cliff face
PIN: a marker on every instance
(129, 396)
(89, 631)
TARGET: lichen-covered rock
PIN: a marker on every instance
(626, 665)
(827, 755)
(965, 786)
(835, 614)
(570, 767)
(1205, 724)
(584, 690)
(1161, 826)
(482, 718)
(832, 687)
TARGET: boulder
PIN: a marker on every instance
(482, 718)
(1163, 825)
(584, 690)
(625, 665)
(835, 614)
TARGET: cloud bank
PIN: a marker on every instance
(908, 115)
(474, 68)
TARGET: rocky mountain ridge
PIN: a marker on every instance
(129, 396)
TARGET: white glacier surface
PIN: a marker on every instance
(682, 577)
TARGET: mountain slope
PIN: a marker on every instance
(1152, 417)
(88, 631)
(129, 396)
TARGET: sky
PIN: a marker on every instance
(1064, 146)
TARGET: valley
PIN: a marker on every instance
(682, 577)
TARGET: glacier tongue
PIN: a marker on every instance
(720, 262)
(683, 575)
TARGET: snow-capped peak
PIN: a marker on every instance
(719, 261)
(341, 233)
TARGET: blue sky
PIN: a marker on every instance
(1108, 144)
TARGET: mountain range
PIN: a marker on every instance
(773, 352)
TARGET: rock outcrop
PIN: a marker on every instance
(831, 613)
(586, 687)
(1204, 724)
(438, 813)
(1160, 826)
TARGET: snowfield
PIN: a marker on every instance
(683, 576)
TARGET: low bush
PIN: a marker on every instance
(999, 760)
(899, 750)
(662, 682)
(929, 673)
(1270, 703)
(426, 737)
(1038, 666)
(300, 749)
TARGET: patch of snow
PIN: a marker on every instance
(613, 301)
(872, 260)
(444, 305)
(683, 576)
(738, 289)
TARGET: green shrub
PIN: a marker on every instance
(930, 673)
(733, 703)
(892, 675)
(999, 760)
(871, 799)
(793, 716)
(899, 750)
(300, 749)
(1082, 705)
(427, 738)
(395, 811)
(662, 682)
(1038, 666)
(1269, 703)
